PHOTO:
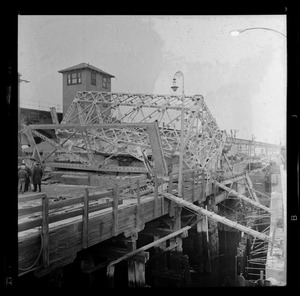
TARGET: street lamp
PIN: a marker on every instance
(180, 166)
(238, 32)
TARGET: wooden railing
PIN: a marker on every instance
(48, 209)
(55, 211)
(190, 178)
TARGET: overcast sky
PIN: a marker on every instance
(242, 79)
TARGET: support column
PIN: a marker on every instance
(137, 269)
(204, 251)
(161, 262)
(110, 273)
(131, 246)
(176, 253)
(55, 278)
(176, 225)
(200, 242)
(137, 264)
(87, 263)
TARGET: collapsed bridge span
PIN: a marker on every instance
(203, 140)
(117, 136)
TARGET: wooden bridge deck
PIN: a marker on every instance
(52, 232)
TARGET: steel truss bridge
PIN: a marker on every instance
(113, 124)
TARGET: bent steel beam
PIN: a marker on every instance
(243, 197)
(84, 136)
(216, 217)
(203, 138)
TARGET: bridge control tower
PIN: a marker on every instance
(83, 77)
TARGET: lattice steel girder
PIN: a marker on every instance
(203, 140)
(129, 135)
(237, 141)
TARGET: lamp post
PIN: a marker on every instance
(180, 166)
(238, 32)
(253, 138)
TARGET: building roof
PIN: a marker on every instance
(85, 66)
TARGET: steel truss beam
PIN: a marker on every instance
(82, 144)
(237, 141)
(203, 140)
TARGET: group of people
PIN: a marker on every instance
(26, 176)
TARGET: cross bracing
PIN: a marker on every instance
(203, 139)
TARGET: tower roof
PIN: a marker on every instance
(85, 66)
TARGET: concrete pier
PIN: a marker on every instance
(276, 258)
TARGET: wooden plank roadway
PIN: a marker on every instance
(69, 236)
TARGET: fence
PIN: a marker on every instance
(55, 211)
(190, 179)
(37, 105)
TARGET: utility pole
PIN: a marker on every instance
(19, 108)
(233, 133)
(253, 138)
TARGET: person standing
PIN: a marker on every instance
(22, 175)
(37, 174)
(27, 184)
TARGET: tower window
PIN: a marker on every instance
(104, 82)
(74, 78)
(93, 78)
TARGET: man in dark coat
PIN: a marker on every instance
(37, 174)
(27, 184)
(22, 175)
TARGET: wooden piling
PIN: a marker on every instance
(131, 246)
(87, 266)
(131, 273)
(140, 271)
(85, 219)
(136, 270)
(115, 210)
(200, 242)
(110, 272)
(45, 230)
(186, 269)
(155, 197)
